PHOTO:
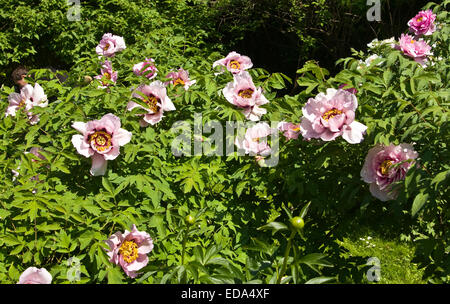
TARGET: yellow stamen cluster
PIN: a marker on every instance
(247, 93)
(234, 64)
(384, 167)
(419, 19)
(22, 103)
(152, 101)
(178, 81)
(129, 251)
(100, 140)
(106, 47)
(331, 113)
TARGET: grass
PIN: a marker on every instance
(394, 255)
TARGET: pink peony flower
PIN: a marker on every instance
(109, 45)
(416, 49)
(129, 250)
(33, 275)
(101, 140)
(253, 141)
(156, 100)
(290, 130)
(234, 62)
(146, 68)
(28, 98)
(331, 115)
(423, 23)
(386, 165)
(181, 77)
(243, 93)
(107, 75)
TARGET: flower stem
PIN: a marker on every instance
(286, 256)
(184, 243)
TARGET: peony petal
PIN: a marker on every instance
(82, 146)
(33, 275)
(335, 123)
(99, 165)
(378, 193)
(327, 135)
(354, 132)
(139, 263)
(113, 153)
(80, 127)
(122, 137)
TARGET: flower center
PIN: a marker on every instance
(419, 19)
(106, 47)
(22, 103)
(234, 64)
(296, 129)
(247, 93)
(152, 102)
(331, 113)
(385, 165)
(129, 251)
(178, 81)
(413, 41)
(107, 75)
(101, 141)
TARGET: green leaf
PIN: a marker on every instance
(320, 280)
(114, 275)
(304, 210)
(418, 203)
(274, 226)
(108, 186)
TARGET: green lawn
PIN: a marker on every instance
(394, 255)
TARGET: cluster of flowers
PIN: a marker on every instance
(129, 250)
(415, 46)
(102, 138)
(326, 117)
(28, 98)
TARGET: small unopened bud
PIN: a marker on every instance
(87, 79)
(190, 220)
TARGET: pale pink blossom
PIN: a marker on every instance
(28, 98)
(423, 23)
(243, 93)
(330, 115)
(101, 140)
(33, 275)
(255, 140)
(290, 130)
(416, 49)
(130, 250)
(156, 100)
(146, 68)
(385, 165)
(180, 78)
(109, 45)
(107, 75)
(234, 62)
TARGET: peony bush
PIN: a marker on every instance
(104, 162)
